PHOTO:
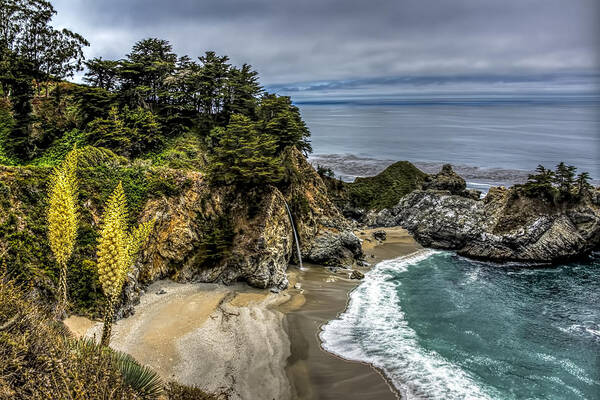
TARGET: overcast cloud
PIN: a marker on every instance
(348, 43)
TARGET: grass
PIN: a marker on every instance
(38, 361)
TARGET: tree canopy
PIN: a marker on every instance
(32, 51)
(562, 183)
(243, 155)
(136, 104)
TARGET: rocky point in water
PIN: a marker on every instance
(506, 225)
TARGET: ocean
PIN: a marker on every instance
(489, 141)
(444, 327)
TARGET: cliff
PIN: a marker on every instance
(507, 225)
(202, 232)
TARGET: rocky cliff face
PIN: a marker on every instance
(254, 240)
(202, 233)
(506, 225)
(326, 237)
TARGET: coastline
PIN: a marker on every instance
(316, 373)
(249, 343)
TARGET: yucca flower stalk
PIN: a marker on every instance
(62, 219)
(116, 252)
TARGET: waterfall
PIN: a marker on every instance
(295, 234)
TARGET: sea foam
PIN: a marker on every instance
(373, 330)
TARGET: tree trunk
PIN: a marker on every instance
(109, 314)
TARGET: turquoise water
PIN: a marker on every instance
(444, 327)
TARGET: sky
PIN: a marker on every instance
(338, 48)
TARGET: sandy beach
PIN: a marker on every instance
(250, 343)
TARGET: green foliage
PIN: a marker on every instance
(52, 115)
(241, 92)
(325, 172)
(6, 125)
(144, 72)
(564, 178)
(557, 185)
(101, 73)
(90, 156)
(279, 118)
(32, 50)
(185, 152)
(385, 189)
(583, 183)
(128, 133)
(91, 103)
(244, 156)
(57, 152)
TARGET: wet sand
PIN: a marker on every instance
(315, 373)
(251, 343)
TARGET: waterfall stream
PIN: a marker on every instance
(295, 234)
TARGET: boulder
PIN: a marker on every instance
(356, 274)
(334, 248)
(446, 179)
(379, 235)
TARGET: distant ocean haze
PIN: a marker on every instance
(495, 141)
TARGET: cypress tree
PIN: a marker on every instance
(244, 156)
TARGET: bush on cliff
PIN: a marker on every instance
(385, 189)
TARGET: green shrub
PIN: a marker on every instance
(6, 124)
(59, 149)
(385, 189)
(183, 152)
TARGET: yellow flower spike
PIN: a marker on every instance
(116, 252)
(62, 219)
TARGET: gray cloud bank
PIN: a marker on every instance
(357, 43)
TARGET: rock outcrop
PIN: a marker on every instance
(326, 237)
(506, 225)
(256, 243)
